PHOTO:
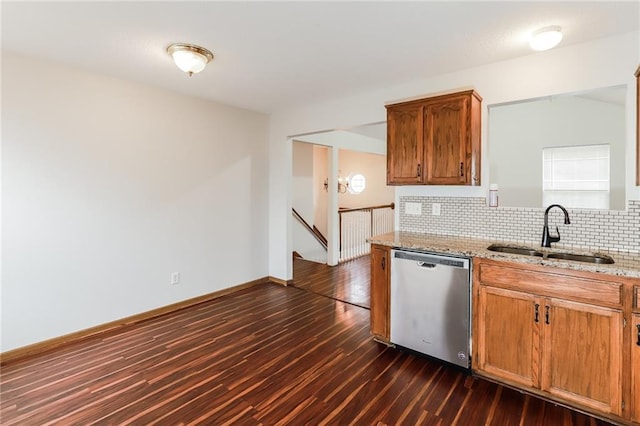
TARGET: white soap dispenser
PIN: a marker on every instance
(493, 195)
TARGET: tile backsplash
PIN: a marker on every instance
(471, 217)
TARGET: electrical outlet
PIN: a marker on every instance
(175, 278)
(435, 209)
(414, 209)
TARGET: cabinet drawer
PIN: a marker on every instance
(553, 283)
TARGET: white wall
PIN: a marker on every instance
(320, 154)
(302, 180)
(342, 139)
(109, 186)
(601, 63)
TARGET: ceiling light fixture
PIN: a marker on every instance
(546, 38)
(190, 58)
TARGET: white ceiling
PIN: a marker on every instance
(274, 55)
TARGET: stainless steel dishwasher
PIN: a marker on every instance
(430, 305)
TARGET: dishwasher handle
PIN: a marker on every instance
(426, 265)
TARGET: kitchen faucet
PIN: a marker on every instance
(547, 238)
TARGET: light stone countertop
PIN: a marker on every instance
(626, 264)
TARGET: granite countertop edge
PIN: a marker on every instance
(626, 264)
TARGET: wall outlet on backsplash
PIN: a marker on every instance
(413, 209)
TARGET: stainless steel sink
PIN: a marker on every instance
(525, 251)
(528, 251)
(590, 258)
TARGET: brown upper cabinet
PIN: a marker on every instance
(434, 141)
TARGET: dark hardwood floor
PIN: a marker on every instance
(264, 355)
(347, 282)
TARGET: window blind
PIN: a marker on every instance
(576, 176)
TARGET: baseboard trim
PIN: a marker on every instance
(110, 327)
(280, 281)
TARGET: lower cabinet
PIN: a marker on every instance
(635, 367)
(582, 354)
(546, 331)
(508, 339)
(380, 292)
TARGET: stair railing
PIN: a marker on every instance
(358, 225)
(313, 230)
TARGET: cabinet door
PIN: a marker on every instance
(582, 356)
(447, 144)
(379, 294)
(635, 368)
(508, 335)
(405, 148)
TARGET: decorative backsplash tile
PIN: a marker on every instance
(471, 217)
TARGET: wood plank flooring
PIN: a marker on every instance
(269, 355)
(347, 282)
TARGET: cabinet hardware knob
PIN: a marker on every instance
(419, 170)
(383, 262)
(546, 314)
(461, 169)
(537, 317)
(638, 327)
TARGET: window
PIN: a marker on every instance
(357, 183)
(576, 176)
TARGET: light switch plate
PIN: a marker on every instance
(414, 209)
(435, 209)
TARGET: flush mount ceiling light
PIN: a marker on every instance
(190, 58)
(546, 38)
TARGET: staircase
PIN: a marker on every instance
(356, 227)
